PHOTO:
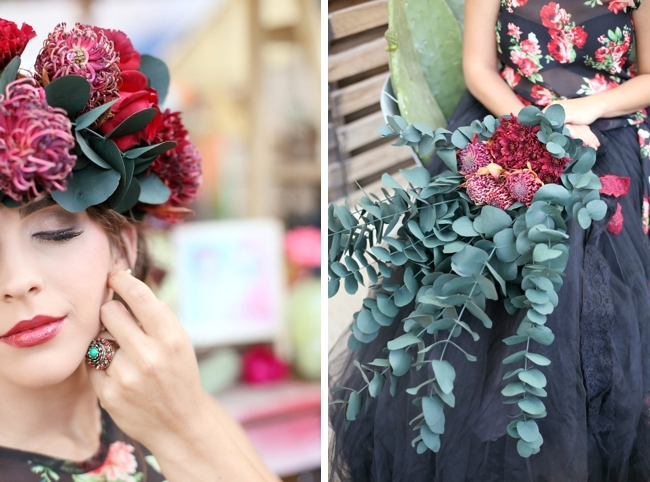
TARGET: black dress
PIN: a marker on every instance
(119, 459)
(598, 424)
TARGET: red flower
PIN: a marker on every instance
(129, 57)
(560, 49)
(528, 67)
(13, 40)
(514, 31)
(180, 168)
(120, 463)
(600, 84)
(512, 142)
(134, 97)
(36, 143)
(553, 16)
(530, 47)
(511, 77)
(81, 51)
(260, 365)
(522, 185)
(618, 5)
(542, 94)
(615, 225)
(523, 100)
(578, 36)
(614, 185)
(473, 157)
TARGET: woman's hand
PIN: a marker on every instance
(580, 111)
(585, 133)
(152, 387)
(153, 393)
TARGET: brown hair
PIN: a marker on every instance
(113, 223)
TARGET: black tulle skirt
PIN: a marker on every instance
(598, 423)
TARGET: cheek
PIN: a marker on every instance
(83, 273)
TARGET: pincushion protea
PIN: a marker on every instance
(522, 185)
(85, 52)
(35, 143)
(473, 157)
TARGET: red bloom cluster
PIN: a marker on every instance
(511, 166)
(565, 34)
(13, 40)
(179, 168)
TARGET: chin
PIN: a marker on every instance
(48, 364)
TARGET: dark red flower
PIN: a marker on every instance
(553, 16)
(134, 97)
(180, 168)
(614, 185)
(13, 40)
(512, 143)
(615, 225)
(129, 56)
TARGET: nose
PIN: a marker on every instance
(19, 278)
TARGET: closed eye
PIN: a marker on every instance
(60, 235)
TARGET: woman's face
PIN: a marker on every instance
(54, 267)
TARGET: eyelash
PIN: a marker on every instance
(58, 236)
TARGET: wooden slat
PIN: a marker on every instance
(377, 160)
(360, 132)
(358, 59)
(357, 96)
(300, 173)
(357, 19)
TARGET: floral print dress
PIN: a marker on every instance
(552, 51)
(119, 459)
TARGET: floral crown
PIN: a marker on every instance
(86, 126)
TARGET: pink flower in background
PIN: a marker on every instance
(302, 245)
(35, 143)
(120, 464)
(260, 365)
(81, 51)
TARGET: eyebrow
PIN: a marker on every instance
(34, 206)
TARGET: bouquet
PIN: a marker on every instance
(492, 227)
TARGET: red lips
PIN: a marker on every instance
(33, 332)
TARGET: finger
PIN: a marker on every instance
(120, 324)
(142, 302)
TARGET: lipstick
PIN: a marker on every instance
(33, 332)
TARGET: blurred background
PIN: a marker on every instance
(243, 274)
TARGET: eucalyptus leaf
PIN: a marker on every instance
(9, 74)
(157, 73)
(87, 187)
(445, 374)
(69, 92)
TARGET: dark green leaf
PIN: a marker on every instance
(86, 120)
(88, 187)
(134, 123)
(150, 151)
(69, 92)
(158, 75)
(153, 190)
(89, 152)
(9, 74)
(130, 198)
